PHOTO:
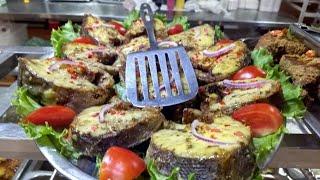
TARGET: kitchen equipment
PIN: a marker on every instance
(146, 62)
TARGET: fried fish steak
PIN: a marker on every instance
(222, 99)
(280, 42)
(178, 147)
(89, 52)
(101, 32)
(123, 125)
(77, 86)
(211, 69)
(303, 70)
(138, 29)
(197, 38)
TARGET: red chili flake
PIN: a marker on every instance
(222, 103)
(94, 128)
(215, 130)
(90, 55)
(202, 89)
(239, 134)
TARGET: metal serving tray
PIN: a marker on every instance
(300, 147)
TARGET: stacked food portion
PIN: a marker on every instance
(76, 100)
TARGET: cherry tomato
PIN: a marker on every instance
(56, 116)
(249, 72)
(176, 29)
(121, 164)
(119, 27)
(262, 118)
(84, 40)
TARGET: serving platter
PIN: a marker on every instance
(69, 169)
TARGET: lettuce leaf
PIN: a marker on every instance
(47, 136)
(218, 34)
(133, 15)
(183, 20)
(66, 33)
(264, 145)
(156, 175)
(292, 94)
(24, 102)
(162, 17)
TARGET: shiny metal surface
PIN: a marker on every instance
(39, 10)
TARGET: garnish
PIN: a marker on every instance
(243, 85)
(194, 132)
(293, 103)
(220, 51)
(24, 102)
(66, 33)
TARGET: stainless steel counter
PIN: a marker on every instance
(40, 10)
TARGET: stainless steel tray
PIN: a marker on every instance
(300, 147)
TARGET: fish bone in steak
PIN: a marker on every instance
(221, 99)
(178, 147)
(86, 86)
(89, 52)
(123, 126)
(101, 31)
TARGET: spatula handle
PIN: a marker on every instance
(147, 18)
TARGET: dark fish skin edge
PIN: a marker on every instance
(135, 135)
(239, 165)
(75, 99)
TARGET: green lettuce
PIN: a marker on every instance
(162, 17)
(47, 136)
(133, 16)
(266, 144)
(292, 94)
(24, 102)
(66, 33)
(182, 20)
(218, 34)
(156, 175)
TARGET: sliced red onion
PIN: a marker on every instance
(194, 132)
(219, 52)
(57, 64)
(103, 110)
(101, 49)
(100, 25)
(243, 85)
(167, 43)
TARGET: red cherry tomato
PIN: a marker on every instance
(84, 40)
(249, 72)
(121, 164)
(119, 27)
(176, 29)
(56, 116)
(262, 118)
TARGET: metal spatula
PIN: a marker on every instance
(148, 69)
